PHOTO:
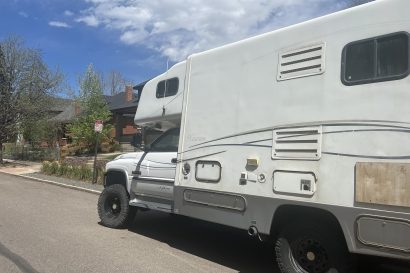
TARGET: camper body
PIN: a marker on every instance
(304, 128)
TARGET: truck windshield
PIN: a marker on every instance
(168, 142)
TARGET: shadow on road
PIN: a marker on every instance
(220, 244)
(230, 247)
(382, 265)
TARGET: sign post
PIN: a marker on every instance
(98, 127)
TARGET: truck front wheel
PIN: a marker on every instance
(312, 249)
(113, 207)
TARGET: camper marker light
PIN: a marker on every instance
(252, 161)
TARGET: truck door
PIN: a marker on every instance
(157, 169)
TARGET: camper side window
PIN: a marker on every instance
(167, 88)
(377, 59)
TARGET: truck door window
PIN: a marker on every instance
(168, 142)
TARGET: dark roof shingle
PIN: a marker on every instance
(119, 101)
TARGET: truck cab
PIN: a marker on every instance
(148, 176)
(152, 185)
(145, 180)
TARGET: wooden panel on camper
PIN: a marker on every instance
(383, 183)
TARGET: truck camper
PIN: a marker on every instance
(300, 136)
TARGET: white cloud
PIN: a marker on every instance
(89, 20)
(23, 14)
(68, 13)
(58, 24)
(177, 28)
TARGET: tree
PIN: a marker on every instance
(93, 107)
(42, 130)
(26, 86)
(113, 83)
(4, 101)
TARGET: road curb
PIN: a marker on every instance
(55, 183)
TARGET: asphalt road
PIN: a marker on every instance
(45, 228)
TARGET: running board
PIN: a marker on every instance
(151, 205)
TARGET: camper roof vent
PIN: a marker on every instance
(302, 143)
(302, 62)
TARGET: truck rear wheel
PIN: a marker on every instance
(312, 249)
(113, 207)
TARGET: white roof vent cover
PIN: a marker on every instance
(302, 62)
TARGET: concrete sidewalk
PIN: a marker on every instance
(21, 167)
(31, 170)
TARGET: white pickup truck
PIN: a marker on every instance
(147, 176)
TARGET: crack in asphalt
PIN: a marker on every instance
(19, 261)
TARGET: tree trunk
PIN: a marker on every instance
(1, 153)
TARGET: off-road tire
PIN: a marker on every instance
(312, 249)
(113, 207)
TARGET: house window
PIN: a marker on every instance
(167, 88)
(377, 59)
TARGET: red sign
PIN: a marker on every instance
(98, 126)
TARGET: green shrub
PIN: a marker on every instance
(69, 171)
(75, 172)
(75, 168)
(54, 167)
(45, 168)
(63, 169)
(86, 172)
(50, 167)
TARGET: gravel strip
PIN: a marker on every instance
(67, 181)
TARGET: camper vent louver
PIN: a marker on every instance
(302, 62)
(297, 143)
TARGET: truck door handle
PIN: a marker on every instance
(174, 160)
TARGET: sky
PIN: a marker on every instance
(137, 37)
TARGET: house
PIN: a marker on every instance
(122, 106)
(64, 112)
